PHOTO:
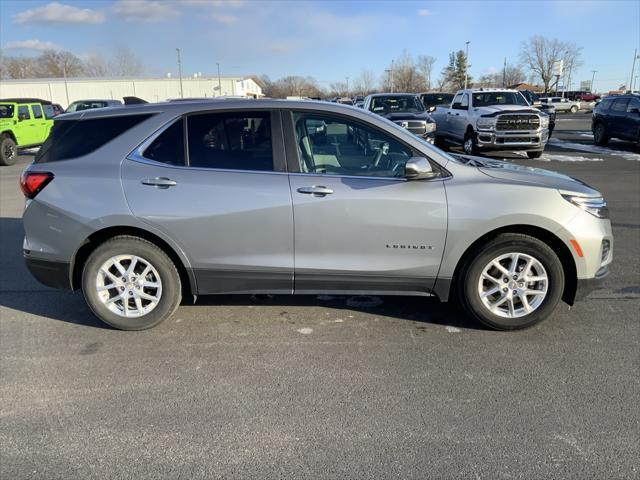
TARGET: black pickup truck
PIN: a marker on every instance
(406, 110)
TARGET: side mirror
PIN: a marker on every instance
(634, 110)
(418, 168)
(432, 108)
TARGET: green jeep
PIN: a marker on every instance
(22, 125)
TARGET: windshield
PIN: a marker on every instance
(396, 104)
(435, 99)
(486, 99)
(6, 111)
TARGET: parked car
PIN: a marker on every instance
(492, 119)
(79, 105)
(534, 100)
(617, 116)
(404, 109)
(562, 104)
(588, 97)
(139, 206)
(431, 100)
(22, 125)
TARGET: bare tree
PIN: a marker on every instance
(365, 83)
(57, 63)
(403, 75)
(425, 67)
(125, 63)
(95, 66)
(540, 54)
(513, 74)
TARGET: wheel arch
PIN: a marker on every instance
(10, 134)
(558, 246)
(98, 237)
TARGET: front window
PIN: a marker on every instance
(343, 147)
(23, 112)
(6, 111)
(396, 104)
(487, 99)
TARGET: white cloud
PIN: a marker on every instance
(423, 12)
(213, 3)
(57, 13)
(31, 45)
(145, 10)
(224, 18)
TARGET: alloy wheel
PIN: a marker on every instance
(513, 285)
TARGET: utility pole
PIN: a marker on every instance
(392, 79)
(504, 73)
(633, 67)
(347, 78)
(219, 81)
(592, 78)
(466, 64)
(180, 72)
(66, 87)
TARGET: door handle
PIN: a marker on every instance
(457, 114)
(160, 182)
(316, 191)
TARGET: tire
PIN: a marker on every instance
(506, 246)
(574, 109)
(440, 142)
(8, 150)
(108, 305)
(470, 144)
(535, 154)
(600, 135)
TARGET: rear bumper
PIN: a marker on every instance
(50, 273)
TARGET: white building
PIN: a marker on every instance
(64, 92)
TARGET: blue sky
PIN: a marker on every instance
(327, 40)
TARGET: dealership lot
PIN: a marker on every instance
(241, 387)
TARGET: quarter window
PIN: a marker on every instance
(168, 147)
(231, 141)
(634, 103)
(335, 146)
(37, 111)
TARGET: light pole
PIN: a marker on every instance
(633, 67)
(219, 82)
(592, 78)
(180, 72)
(466, 64)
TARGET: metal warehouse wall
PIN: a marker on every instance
(150, 89)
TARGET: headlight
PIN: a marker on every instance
(544, 121)
(430, 127)
(486, 123)
(596, 206)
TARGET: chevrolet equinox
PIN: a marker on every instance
(142, 206)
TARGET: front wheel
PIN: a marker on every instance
(130, 283)
(574, 109)
(513, 282)
(536, 154)
(600, 135)
(8, 150)
(470, 144)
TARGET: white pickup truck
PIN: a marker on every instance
(492, 119)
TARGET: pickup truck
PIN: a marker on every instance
(404, 109)
(492, 119)
(23, 124)
(562, 104)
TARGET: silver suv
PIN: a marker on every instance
(142, 206)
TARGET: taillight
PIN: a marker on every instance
(31, 183)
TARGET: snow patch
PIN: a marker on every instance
(552, 157)
(305, 331)
(451, 329)
(581, 147)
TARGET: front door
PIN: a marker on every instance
(227, 205)
(358, 224)
(26, 131)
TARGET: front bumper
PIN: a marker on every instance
(513, 140)
(50, 273)
(587, 285)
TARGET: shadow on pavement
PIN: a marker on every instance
(20, 291)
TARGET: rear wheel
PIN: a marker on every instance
(600, 135)
(130, 283)
(8, 150)
(574, 109)
(536, 154)
(513, 282)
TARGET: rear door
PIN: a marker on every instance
(223, 196)
(359, 225)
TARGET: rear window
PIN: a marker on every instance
(605, 104)
(6, 111)
(76, 138)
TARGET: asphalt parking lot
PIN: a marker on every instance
(329, 387)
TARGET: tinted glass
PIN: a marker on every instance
(435, 99)
(232, 141)
(23, 112)
(37, 111)
(605, 104)
(75, 138)
(633, 103)
(335, 146)
(396, 104)
(49, 111)
(620, 105)
(486, 99)
(169, 146)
